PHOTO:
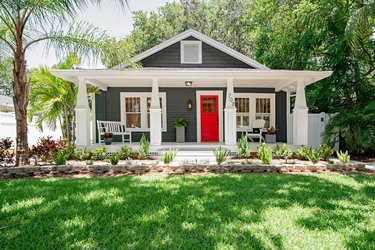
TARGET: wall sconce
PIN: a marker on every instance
(188, 83)
(190, 104)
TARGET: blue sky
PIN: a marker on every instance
(116, 21)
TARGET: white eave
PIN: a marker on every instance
(202, 38)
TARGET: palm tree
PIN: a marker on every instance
(55, 99)
(25, 23)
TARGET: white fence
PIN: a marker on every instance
(8, 129)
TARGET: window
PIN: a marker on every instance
(135, 110)
(191, 52)
(255, 106)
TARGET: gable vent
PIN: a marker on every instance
(191, 52)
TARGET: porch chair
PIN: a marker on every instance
(254, 132)
(116, 128)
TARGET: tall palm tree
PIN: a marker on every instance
(25, 23)
(54, 99)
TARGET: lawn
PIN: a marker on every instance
(206, 211)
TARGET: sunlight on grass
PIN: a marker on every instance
(27, 203)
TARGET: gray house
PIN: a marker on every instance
(220, 91)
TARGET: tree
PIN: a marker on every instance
(5, 75)
(25, 23)
(54, 99)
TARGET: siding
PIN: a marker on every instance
(108, 108)
(211, 58)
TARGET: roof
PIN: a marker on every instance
(202, 38)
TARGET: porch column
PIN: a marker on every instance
(300, 116)
(82, 115)
(230, 115)
(155, 115)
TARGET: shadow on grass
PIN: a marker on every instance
(219, 211)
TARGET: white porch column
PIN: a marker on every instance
(155, 115)
(300, 116)
(82, 115)
(230, 115)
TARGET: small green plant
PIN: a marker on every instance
(69, 152)
(100, 154)
(313, 155)
(59, 158)
(221, 154)
(243, 147)
(180, 122)
(265, 153)
(331, 162)
(169, 155)
(114, 159)
(124, 152)
(144, 146)
(282, 152)
(83, 154)
(344, 157)
(302, 153)
(325, 152)
(90, 162)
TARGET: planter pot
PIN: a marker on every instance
(180, 134)
(108, 141)
(271, 138)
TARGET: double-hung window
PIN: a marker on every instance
(135, 110)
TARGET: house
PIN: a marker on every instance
(217, 89)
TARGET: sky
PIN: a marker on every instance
(116, 21)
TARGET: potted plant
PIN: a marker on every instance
(271, 135)
(180, 123)
(108, 138)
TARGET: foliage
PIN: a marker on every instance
(265, 153)
(59, 158)
(325, 152)
(283, 152)
(180, 122)
(169, 155)
(45, 148)
(83, 154)
(144, 146)
(6, 151)
(221, 154)
(108, 135)
(6, 64)
(272, 130)
(124, 152)
(302, 153)
(344, 157)
(243, 147)
(100, 153)
(114, 158)
(313, 155)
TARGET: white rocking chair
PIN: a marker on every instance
(256, 124)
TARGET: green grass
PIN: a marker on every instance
(220, 211)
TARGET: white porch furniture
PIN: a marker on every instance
(116, 128)
(259, 123)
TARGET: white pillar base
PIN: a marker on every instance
(82, 126)
(230, 127)
(300, 126)
(155, 126)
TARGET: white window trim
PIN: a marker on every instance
(143, 96)
(252, 101)
(182, 49)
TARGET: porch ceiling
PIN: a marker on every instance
(278, 79)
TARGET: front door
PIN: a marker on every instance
(209, 118)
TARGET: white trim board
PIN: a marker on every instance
(221, 110)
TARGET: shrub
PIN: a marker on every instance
(69, 152)
(302, 153)
(243, 147)
(282, 152)
(325, 152)
(46, 148)
(265, 153)
(343, 157)
(180, 122)
(313, 155)
(221, 154)
(59, 158)
(144, 146)
(169, 155)
(83, 154)
(115, 158)
(100, 153)
(7, 152)
(124, 152)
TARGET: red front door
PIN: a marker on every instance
(209, 118)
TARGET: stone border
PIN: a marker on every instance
(109, 170)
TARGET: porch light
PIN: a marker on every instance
(190, 104)
(188, 83)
